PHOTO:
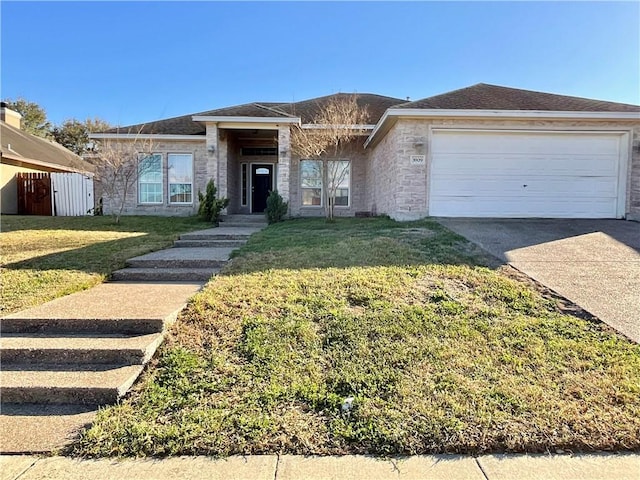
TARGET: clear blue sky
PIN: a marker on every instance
(130, 62)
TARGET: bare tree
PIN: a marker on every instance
(330, 140)
(119, 164)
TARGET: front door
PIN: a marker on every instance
(261, 185)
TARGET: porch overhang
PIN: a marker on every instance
(254, 123)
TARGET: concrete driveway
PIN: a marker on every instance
(593, 263)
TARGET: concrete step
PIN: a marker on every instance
(221, 233)
(78, 349)
(36, 428)
(81, 325)
(89, 384)
(242, 224)
(187, 263)
(195, 257)
(208, 243)
(113, 307)
(164, 274)
(244, 218)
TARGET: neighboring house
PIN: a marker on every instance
(21, 152)
(481, 151)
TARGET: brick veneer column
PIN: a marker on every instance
(284, 162)
(212, 158)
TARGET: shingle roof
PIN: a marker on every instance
(306, 110)
(22, 146)
(477, 97)
(493, 97)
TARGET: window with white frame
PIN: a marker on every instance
(311, 182)
(338, 179)
(150, 178)
(180, 167)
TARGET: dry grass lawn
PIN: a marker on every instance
(438, 352)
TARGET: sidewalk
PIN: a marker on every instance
(291, 467)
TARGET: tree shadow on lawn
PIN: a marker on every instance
(98, 258)
(106, 223)
(140, 235)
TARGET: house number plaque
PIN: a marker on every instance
(418, 160)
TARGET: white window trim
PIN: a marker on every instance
(348, 205)
(169, 183)
(142, 156)
(310, 188)
(322, 186)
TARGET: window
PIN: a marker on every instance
(244, 184)
(258, 151)
(311, 182)
(180, 177)
(150, 178)
(338, 178)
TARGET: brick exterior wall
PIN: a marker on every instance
(633, 187)
(383, 181)
(358, 187)
(201, 167)
(400, 190)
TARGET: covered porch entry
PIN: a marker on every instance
(251, 160)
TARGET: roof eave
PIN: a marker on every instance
(393, 114)
(229, 119)
(40, 163)
(145, 136)
(476, 113)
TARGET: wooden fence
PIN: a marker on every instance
(59, 194)
(34, 194)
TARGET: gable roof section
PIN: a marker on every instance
(305, 110)
(493, 97)
(492, 101)
(308, 109)
(23, 147)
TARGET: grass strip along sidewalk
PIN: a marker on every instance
(48, 257)
(438, 352)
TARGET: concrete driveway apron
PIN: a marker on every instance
(593, 263)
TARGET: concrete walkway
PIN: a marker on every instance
(348, 467)
(63, 359)
(593, 263)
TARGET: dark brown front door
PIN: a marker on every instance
(261, 185)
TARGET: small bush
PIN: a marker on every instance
(210, 206)
(277, 208)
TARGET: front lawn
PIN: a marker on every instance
(48, 257)
(439, 354)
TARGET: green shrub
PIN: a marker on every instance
(277, 208)
(210, 206)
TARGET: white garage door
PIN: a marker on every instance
(525, 174)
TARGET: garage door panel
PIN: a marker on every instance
(544, 143)
(493, 164)
(468, 186)
(512, 207)
(524, 174)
